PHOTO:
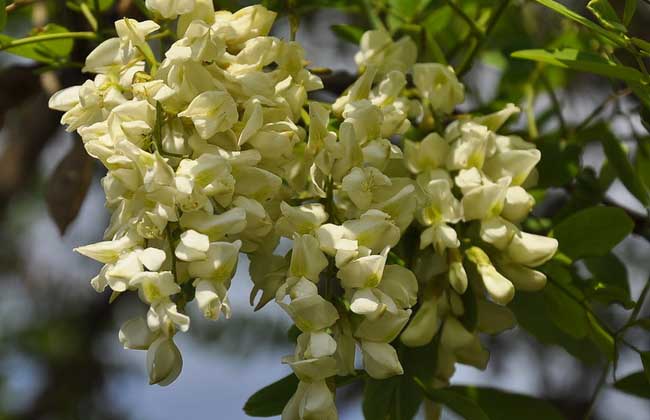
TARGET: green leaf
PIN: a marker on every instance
(560, 162)
(645, 359)
(634, 384)
(270, 400)
(642, 162)
(628, 12)
(454, 401)
(617, 157)
(48, 51)
(503, 405)
(641, 43)
(3, 14)
(396, 398)
(350, 33)
(573, 59)
(609, 282)
(606, 15)
(593, 231)
(567, 314)
(530, 310)
(406, 9)
(601, 337)
(576, 17)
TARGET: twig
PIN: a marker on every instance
(47, 37)
(478, 33)
(557, 107)
(614, 96)
(18, 4)
(465, 65)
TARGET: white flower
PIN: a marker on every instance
(170, 9)
(531, 250)
(303, 219)
(380, 360)
(164, 361)
(438, 84)
(211, 297)
(498, 287)
(360, 184)
(211, 112)
(193, 246)
(155, 286)
(220, 262)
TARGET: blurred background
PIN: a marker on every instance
(59, 353)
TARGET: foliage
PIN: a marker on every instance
(605, 40)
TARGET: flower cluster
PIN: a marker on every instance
(399, 212)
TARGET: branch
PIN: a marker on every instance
(465, 65)
(47, 37)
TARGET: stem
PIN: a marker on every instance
(639, 302)
(465, 65)
(18, 4)
(601, 107)
(478, 33)
(373, 17)
(47, 37)
(533, 133)
(599, 387)
(92, 21)
(557, 107)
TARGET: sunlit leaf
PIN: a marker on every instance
(606, 15)
(49, 51)
(573, 59)
(628, 12)
(576, 17)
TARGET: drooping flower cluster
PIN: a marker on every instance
(400, 213)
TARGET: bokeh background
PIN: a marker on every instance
(59, 353)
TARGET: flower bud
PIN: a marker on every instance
(531, 250)
(524, 278)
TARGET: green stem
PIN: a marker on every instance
(639, 303)
(47, 37)
(600, 108)
(92, 21)
(478, 33)
(533, 133)
(18, 4)
(557, 107)
(373, 17)
(465, 65)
